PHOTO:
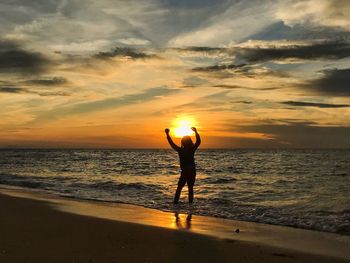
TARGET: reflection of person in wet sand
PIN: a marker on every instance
(179, 223)
(187, 164)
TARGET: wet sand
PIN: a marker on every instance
(36, 227)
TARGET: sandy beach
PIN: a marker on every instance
(36, 227)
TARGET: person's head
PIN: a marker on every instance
(186, 142)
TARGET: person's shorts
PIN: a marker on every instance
(188, 175)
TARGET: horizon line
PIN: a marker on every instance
(168, 148)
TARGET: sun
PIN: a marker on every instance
(182, 126)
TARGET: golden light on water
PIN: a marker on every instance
(182, 126)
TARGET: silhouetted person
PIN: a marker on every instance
(187, 164)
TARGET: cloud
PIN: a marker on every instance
(54, 81)
(319, 12)
(231, 70)
(89, 47)
(194, 81)
(20, 87)
(203, 49)
(12, 90)
(334, 82)
(262, 51)
(251, 58)
(227, 86)
(229, 21)
(132, 41)
(103, 104)
(257, 51)
(280, 31)
(219, 101)
(300, 134)
(14, 59)
(124, 52)
(10, 87)
(64, 25)
(51, 93)
(240, 67)
(313, 104)
(18, 90)
(243, 102)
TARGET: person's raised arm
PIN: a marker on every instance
(198, 138)
(172, 144)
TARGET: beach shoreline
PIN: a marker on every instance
(84, 231)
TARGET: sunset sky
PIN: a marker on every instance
(105, 73)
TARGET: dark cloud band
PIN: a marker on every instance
(124, 52)
(12, 90)
(334, 82)
(15, 59)
(312, 104)
(214, 68)
(325, 50)
(300, 134)
(309, 51)
(55, 81)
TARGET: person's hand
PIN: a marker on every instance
(167, 130)
(194, 129)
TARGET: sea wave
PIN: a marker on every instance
(291, 188)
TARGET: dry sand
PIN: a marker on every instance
(41, 228)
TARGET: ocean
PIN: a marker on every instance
(299, 188)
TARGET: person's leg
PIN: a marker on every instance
(181, 183)
(190, 194)
(177, 194)
(190, 184)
